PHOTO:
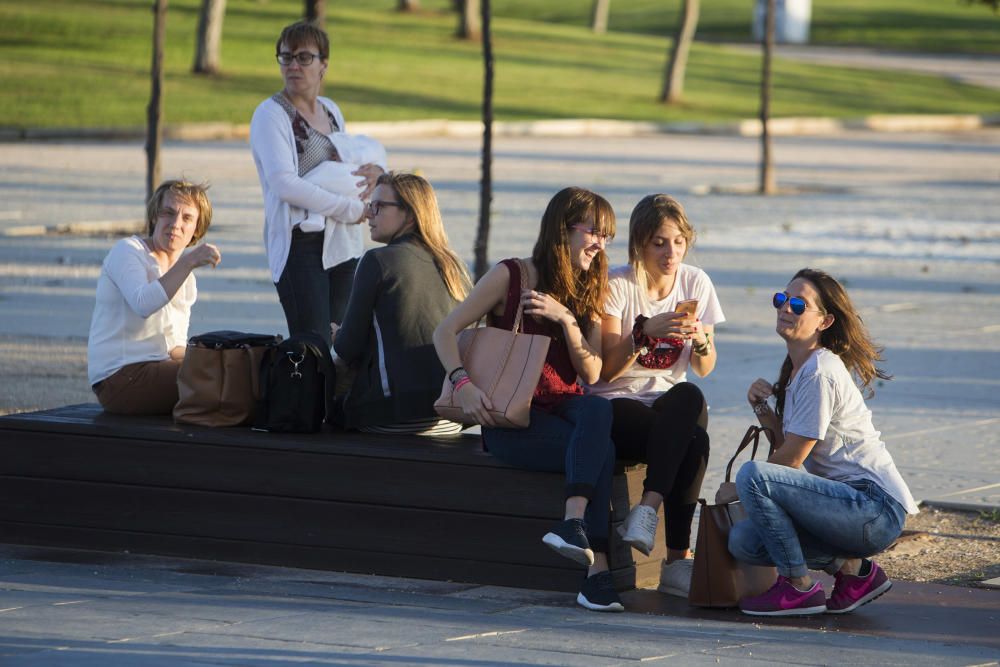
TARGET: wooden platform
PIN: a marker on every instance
(402, 506)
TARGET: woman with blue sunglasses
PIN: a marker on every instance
(829, 496)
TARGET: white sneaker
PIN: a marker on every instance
(639, 528)
(675, 578)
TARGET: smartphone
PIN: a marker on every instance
(688, 306)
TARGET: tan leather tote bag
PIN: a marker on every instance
(505, 365)
(219, 380)
(718, 579)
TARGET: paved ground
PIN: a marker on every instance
(910, 222)
(982, 70)
(82, 609)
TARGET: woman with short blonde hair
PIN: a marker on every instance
(138, 331)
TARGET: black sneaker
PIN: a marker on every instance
(569, 539)
(598, 593)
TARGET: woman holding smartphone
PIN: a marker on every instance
(660, 317)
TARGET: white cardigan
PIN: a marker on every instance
(288, 198)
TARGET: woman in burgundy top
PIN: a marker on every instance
(562, 291)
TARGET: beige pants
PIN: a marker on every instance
(145, 388)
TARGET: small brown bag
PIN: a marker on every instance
(219, 380)
(505, 365)
(718, 579)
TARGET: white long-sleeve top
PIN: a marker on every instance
(133, 319)
(288, 198)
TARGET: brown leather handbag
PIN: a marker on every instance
(505, 365)
(718, 579)
(219, 379)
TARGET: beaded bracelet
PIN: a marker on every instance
(703, 349)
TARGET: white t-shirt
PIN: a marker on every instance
(133, 320)
(626, 301)
(822, 402)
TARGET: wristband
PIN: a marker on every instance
(461, 383)
(451, 375)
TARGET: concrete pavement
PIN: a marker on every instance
(81, 609)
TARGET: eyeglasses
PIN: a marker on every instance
(304, 58)
(797, 305)
(375, 206)
(599, 236)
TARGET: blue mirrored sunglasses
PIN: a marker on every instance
(797, 305)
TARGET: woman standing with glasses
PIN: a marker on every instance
(561, 288)
(659, 321)
(402, 292)
(290, 134)
(830, 495)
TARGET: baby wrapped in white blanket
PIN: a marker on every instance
(355, 150)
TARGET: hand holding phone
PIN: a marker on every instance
(688, 306)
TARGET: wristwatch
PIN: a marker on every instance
(640, 341)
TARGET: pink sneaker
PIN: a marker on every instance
(783, 599)
(850, 592)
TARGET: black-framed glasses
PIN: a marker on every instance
(304, 58)
(596, 234)
(797, 305)
(376, 205)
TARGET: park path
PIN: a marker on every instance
(976, 70)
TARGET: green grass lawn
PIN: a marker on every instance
(84, 63)
(943, 26)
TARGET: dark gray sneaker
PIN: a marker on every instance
(569, 538)
(598, 593)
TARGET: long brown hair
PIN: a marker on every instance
(421, 206)
(847, 337)
(582, 292)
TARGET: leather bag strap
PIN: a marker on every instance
(752, 437)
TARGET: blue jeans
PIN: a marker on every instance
(575, 438)
(311, 296)
(799, 522)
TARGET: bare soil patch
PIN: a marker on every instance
(946, 547)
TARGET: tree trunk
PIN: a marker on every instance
(409, 5)
(599, 16)
(316, 12)
(154, 112)
(768, 185)
(468, 20)
(207, 58)
(673, 78)
(486, 182)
